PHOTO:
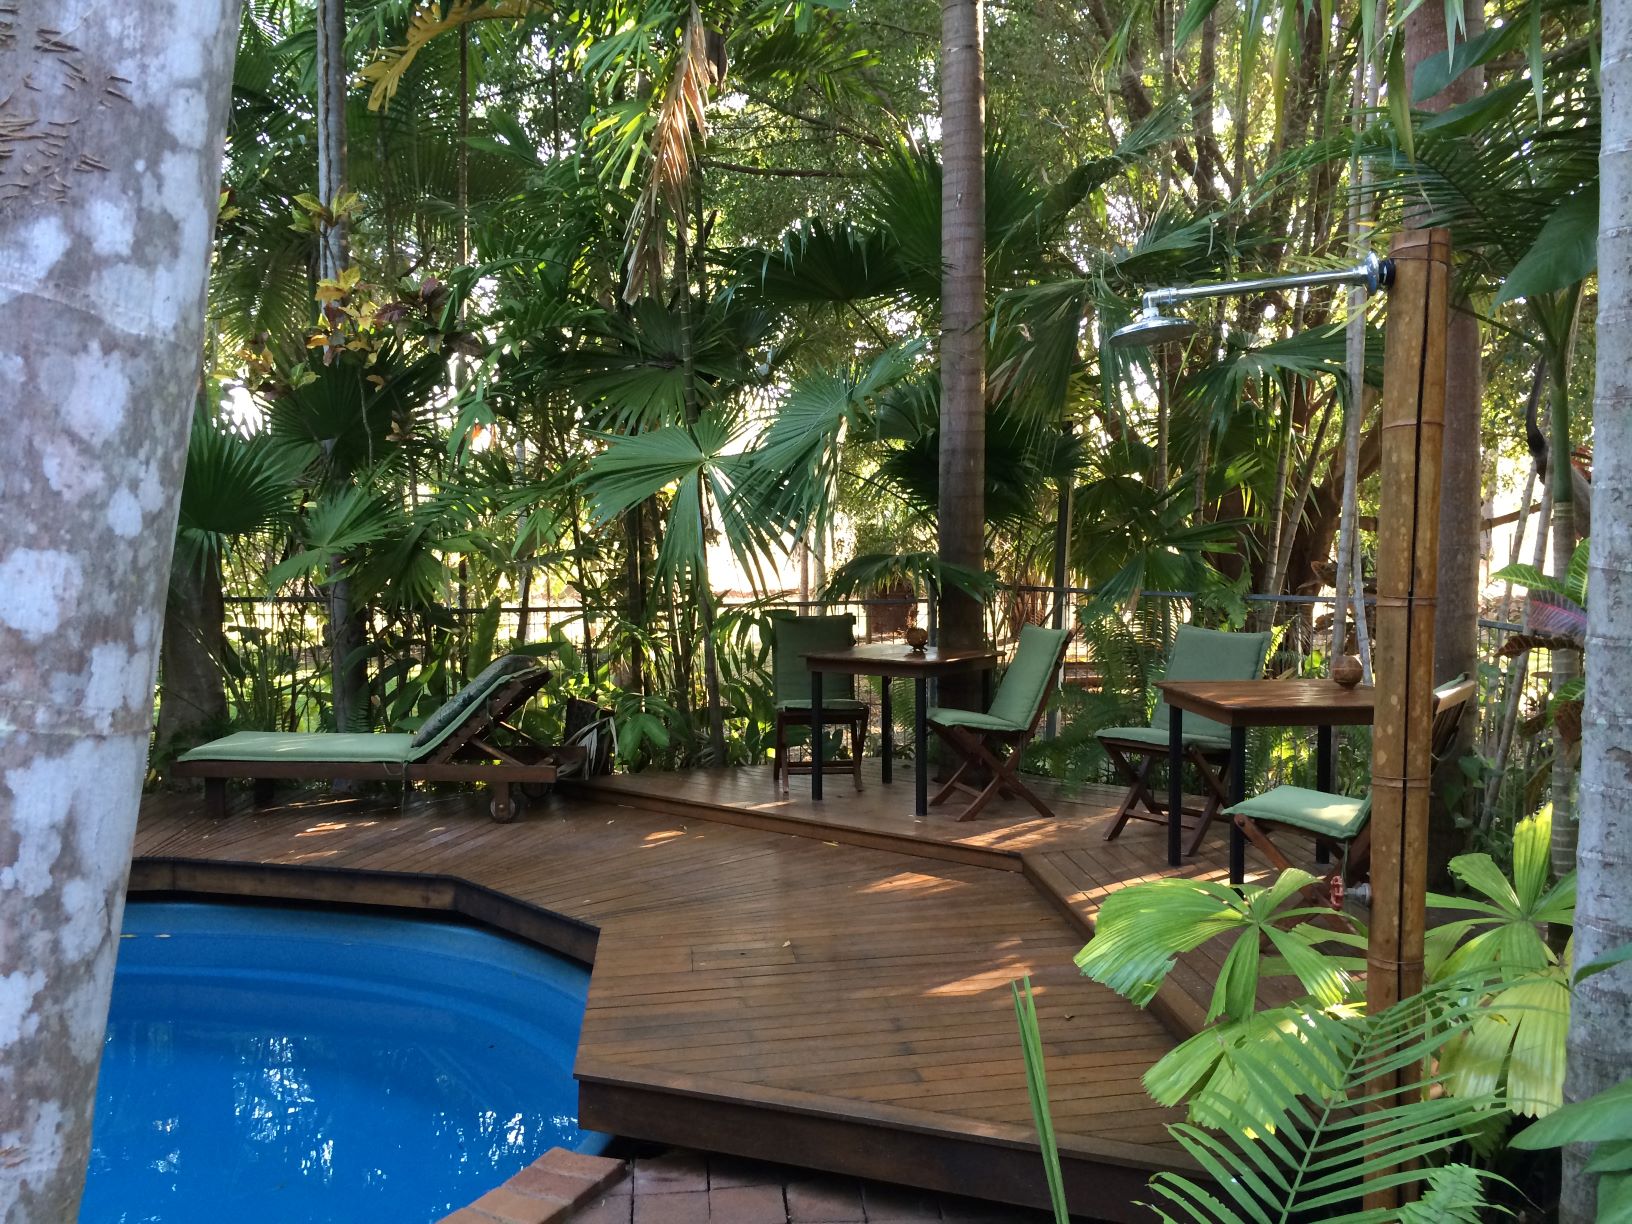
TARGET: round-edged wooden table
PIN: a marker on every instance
(890, 660)
(1239, 704)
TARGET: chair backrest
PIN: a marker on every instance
(467, 706)
(1450, 703)
(793, 637)
(1031, 674)
(1211, 654)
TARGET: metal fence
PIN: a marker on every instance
(278, 676)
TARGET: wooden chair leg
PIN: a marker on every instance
(858, 737)
(781, 767)
(263, 792)
(954, 741)
(1260, 839)
(215, 798)
(1216, 785)
(1136, 787)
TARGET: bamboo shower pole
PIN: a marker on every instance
(1407, 567)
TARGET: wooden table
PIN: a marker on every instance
(1239, 704)
(890, 660)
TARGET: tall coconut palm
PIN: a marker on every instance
(1600, 1042)
(963, 309)
(347, 667)
(96, 400)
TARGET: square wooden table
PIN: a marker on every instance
(1239, 704)
(890, 660)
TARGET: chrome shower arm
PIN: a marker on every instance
(1372, 274)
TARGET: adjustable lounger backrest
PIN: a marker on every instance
(468, 703)
(1210, 654)
(1025, 684)
(793, 637)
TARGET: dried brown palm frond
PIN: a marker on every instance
(681, 125)
(428, 22)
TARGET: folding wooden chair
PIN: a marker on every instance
(1339, 820)
(1010, 723)
(792, 638)
(1198, 654)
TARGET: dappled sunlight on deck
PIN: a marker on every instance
(851, 964)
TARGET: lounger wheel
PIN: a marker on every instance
(514, 808)
(539, 791)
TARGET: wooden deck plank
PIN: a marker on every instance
(743, 975)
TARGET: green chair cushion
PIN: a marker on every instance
(1025, 683)
(793, 637)
(456, 709)
(1157, 737)
(312, 747)
(1210, 654)
(974, 720)
(1335, 816)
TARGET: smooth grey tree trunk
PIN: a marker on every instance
(963, 316)
(1600, 1041)
(106, 213)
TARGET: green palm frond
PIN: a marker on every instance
(794, 469)
(1519, 1037)
(232, 486)
(1139, 934)
(1317, 1134)
(342, 519)
(688, 463)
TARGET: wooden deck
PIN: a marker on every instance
(837, 998)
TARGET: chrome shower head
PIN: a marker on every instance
(1151, 327)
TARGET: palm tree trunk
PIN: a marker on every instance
(1600, 1041)
(82, 589)
(192, 698)
(347, 668)
(1456, 642)
(1566, 663)
(963, 314)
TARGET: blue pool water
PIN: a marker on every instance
(295, 1066)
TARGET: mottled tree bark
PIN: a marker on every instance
(105, 225)
(1600, 1041)
(963, 315)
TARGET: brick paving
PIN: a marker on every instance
(684, 1187)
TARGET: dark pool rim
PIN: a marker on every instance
(310, 886)
(393, 893)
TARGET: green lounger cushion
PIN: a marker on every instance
(457, 708)
(314, 747)
(792, 638)
(363, 746)
(1020, 696)
(1157, 737)
(1335, 816)
(973, 719)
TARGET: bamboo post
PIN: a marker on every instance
(1407, 566)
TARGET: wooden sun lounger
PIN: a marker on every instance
(479, 746)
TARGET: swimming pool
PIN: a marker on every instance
(282, 1065)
